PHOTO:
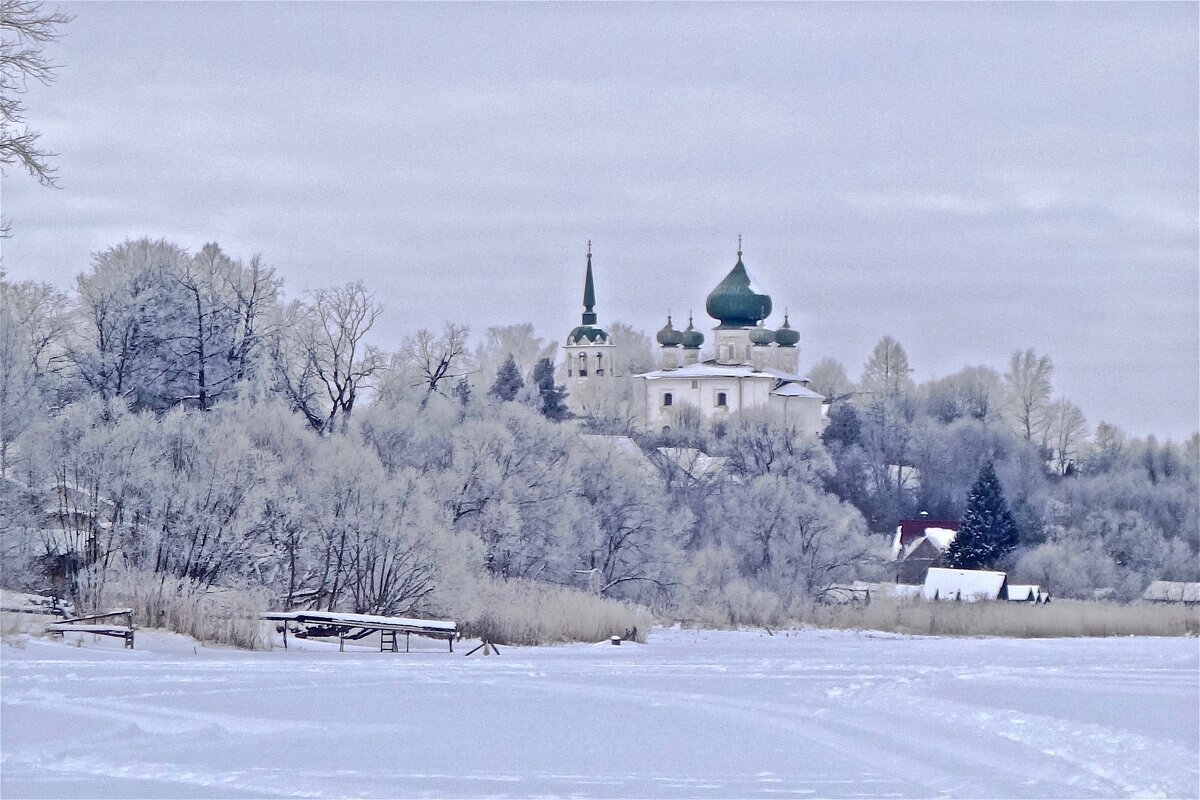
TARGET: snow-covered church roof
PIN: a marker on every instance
(787, 383)
(712, 369)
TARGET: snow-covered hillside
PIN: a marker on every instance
(689, 714)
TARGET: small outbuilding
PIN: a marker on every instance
(1173, 592)
(967, 585)
(920, 544)
(1026, 593)
(899, 591)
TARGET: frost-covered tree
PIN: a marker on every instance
(887, 372)
(510, 486)
(987, 533)
(756, 443)
(25, 29)
(161, 328)
(1107, 451)
(627, 531)
(521, 342)
(828, 378)
(224, 319)
(1028, 381)
(333, 338)
(434, 362)
(635, 348)
(34, 325)
(131, 310)
(971, 393)
(792, 538)
(1067, 435)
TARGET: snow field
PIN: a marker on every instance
(689, 714)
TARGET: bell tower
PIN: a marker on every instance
(590, 353)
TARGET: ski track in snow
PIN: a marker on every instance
(810, 714)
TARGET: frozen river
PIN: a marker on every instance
(689, 714)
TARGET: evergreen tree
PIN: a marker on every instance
(552, 396)
(844, 428)
(988, 532)
(462, 391)
(508, 381)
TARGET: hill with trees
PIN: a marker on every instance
(176, 416)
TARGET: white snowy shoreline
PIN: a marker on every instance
(689, 714)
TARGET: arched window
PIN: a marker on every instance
(599, 364)
(667, 399)
(583, 365)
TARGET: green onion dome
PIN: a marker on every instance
(785, 336)
(587, 334)
(668, 336)
(762, 336)
(692, 338)
(734, 303)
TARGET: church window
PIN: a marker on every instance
(695, 384)
(722, 400)
(599, 364)
(583, 365)
(667, 399)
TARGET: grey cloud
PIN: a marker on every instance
(971, 178)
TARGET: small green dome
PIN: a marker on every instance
(785, 336)
(590, 333)
(668, 336)
(692, 338)
(762, 336)
(734, 303)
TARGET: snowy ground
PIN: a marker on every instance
(687, 715)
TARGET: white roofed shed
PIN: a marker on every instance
(967, 585)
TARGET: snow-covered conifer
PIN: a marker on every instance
(508, 381)
(988, 532)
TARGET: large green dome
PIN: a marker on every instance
(734, 303)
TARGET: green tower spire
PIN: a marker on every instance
(589, 291)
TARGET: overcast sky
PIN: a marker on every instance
(971, 179)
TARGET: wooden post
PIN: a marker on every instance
(407, 637)
(341, 640)
(285, 634)
(450, 639)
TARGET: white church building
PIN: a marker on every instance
(753, 367)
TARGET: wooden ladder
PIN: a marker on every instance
(387, 641)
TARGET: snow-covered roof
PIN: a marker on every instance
(711, 369)
(910, 532)
(793, 389)
(940, 538)
(1172, 592)
(695, 462)
(623, 447)
(1025, 592)
(888, 589)
(337, 617)
(963, 584)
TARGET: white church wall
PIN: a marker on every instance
(804, 412)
